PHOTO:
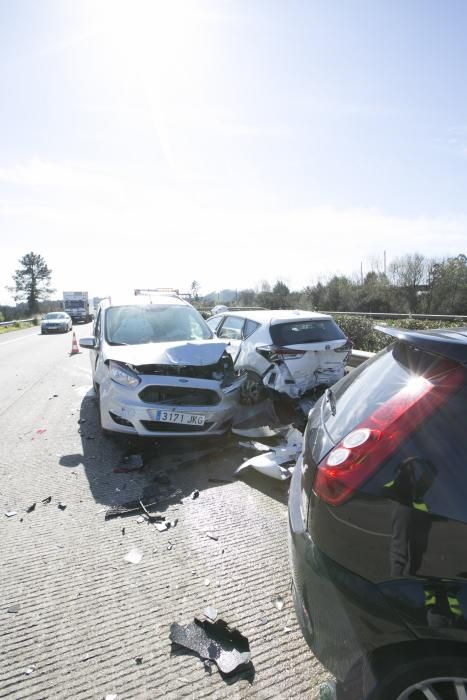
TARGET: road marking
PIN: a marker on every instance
(7, 342)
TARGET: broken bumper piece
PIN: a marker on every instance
(215, 641)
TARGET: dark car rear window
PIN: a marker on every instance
(307, 331)
(373, 383)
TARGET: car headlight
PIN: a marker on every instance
(122, 375)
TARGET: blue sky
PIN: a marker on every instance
(153, 143)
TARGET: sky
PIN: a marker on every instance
(150, 143)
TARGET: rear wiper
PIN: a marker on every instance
(331, 399)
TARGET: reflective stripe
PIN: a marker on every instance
(420, 506)
(430, 598)
(454, 606)
(390, 483)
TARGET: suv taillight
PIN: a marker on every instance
(346, 347)
(362, 451)
(273, 353)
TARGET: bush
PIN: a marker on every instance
(360, 330)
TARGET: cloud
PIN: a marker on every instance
(128, 231)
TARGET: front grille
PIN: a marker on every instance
(159, 426)
(179, 396)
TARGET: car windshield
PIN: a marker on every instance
(54, 315)
(135, 325)
(306, 331)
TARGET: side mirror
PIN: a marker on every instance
(88, 343)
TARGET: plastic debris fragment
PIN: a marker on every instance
(62, 506)
(278, 602)
(29, 670)
(161, 527)
(132, 508)
(10, 513)
(212, 536)
(195, 494)
(216, 641)
(210, 613)
(13, 608)
(47, 500)
(30, 508)
(134, 556)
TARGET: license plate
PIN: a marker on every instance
(180, 418)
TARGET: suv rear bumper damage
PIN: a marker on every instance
(279, 378)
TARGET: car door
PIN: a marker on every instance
(231, 331)
(95, 353)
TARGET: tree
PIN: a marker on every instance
(195, 287)
(409, 272)
(32, 280)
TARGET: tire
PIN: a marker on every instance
(445, 676)
(253, 390)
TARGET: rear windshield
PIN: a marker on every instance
(55, 314)
(135, 325)
(359, 393)
(307, 331)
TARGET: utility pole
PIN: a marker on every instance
(361, 271)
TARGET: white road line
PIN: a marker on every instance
(7, 342)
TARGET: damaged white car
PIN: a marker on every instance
(289, 352)
(158, 371)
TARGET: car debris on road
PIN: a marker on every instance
(215, 641)
(271, 463)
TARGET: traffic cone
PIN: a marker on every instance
(74, 345)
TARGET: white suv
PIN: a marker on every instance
(158, 371)
(289, 352)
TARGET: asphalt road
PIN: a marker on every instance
(77, 621)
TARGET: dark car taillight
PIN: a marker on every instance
(273, 353)
(362, 451)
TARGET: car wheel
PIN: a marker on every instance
(440, 678)
(252, 390)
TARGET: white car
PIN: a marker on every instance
(289, 352)
(56, 322)
(158, 371)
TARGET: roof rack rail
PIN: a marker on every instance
(158, 290)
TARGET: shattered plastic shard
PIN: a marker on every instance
(162, 527)
(195, 494)
(227, 647)
(29, 670)
(46, 500)
(10, 513)
(210, 613)
(30, 508)
(62, 506)
(111, 696)
(278, 602)
(14, 608)
(134, 556)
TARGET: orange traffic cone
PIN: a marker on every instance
(74, 345)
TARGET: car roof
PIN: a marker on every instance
(273, 316)
(145, 300)
(448, 342)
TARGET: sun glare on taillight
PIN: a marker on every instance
(361, 452)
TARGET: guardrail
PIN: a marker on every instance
(422, 317)
(13, 323)
(358, 357)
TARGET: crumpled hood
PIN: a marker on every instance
(197, 352)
